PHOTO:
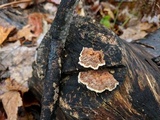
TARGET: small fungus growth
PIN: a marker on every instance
(98, 80)
(90, 58)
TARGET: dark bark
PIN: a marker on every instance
(136, 97)
(56, 39)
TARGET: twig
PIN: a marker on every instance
(14, 2)
(117, 12)
(125, 22)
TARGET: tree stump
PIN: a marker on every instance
(131, 82)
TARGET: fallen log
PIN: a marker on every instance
(98, 75)
(150, 43)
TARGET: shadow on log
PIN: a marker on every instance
(137, 95)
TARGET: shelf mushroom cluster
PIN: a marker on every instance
(95, 80)
(90, 58)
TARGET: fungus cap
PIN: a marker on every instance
(91, 58)
(98, 80)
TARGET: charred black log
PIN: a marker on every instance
(136, 96)
(52, 47)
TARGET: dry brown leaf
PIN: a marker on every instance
(36, 21)
(22, 3)
(136, 32)
(11, 101)
(110, 12)
(55, 1)
(19, 60)
(131, 34)
(4, 32)
(14, 85)
(32, 30)
(51, 8)
(145, 26)
(25, 32)
(107, 9)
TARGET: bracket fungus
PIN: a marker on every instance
(91, 58)
(98, 80)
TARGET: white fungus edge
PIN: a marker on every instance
(97, 91)
(89, 66)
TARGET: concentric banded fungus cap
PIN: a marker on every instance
(90, 58)
(98, 80)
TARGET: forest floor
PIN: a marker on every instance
(24, 23)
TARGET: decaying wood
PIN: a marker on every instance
(136, 97)
(54, 41)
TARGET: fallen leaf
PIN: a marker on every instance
(11, 101)
(36, 21)
(107, 9)
(19, 60)
(22, 4)
(136, 32)
(152, 19)
(52, 9)
(55, 1)
(145, 26)
(26, 32)
(32, 30)
(131, 34)
(110, 12)
(13, 85)
(4, 33)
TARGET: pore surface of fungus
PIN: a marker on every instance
(98, 80)
(90, 58)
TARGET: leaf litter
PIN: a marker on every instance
(17, 53)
